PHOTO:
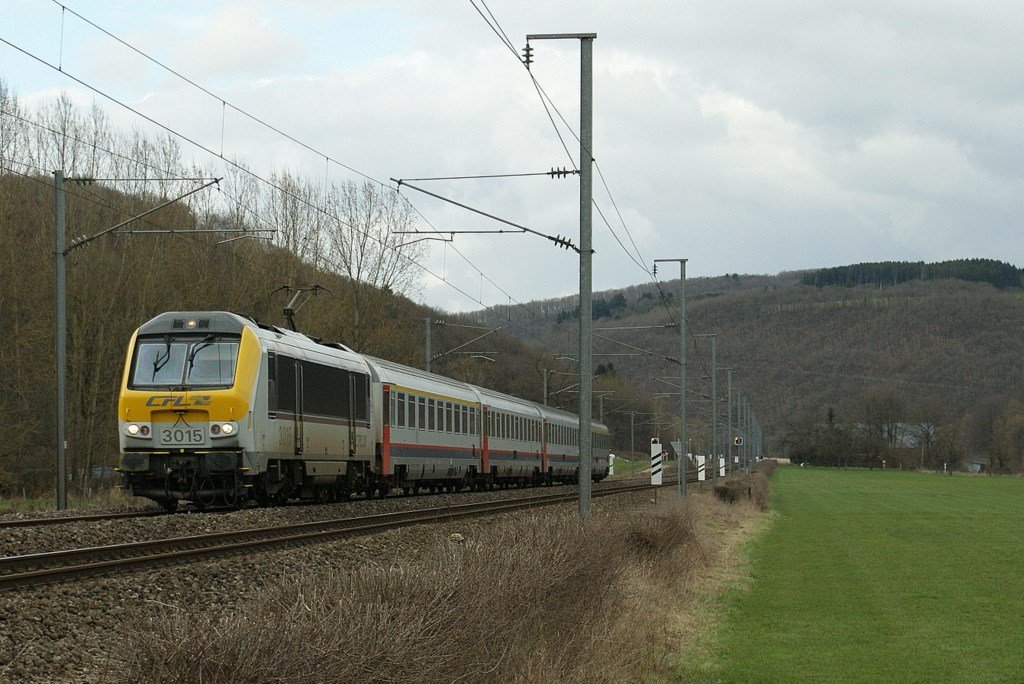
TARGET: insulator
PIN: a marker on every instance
(528, 55)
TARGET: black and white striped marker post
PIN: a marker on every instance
(655, 461)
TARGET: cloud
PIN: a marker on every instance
(239, 40)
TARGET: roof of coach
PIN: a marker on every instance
(305, 347)
(507, 402)
(561, 417)
(556, 415)
(393, 373)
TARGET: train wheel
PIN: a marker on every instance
(282, 496)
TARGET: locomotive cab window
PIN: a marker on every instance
(185, 361)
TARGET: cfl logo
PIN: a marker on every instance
(177, 401)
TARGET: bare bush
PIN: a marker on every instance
(751, 487)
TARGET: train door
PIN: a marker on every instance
(351, 414)
(485, 434)
(298, 408)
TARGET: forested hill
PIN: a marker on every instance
(936, 351)
(886, 273)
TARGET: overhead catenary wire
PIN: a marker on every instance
(546, 101)
(237, 166)
(328, 159)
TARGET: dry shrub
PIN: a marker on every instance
(753, 487)
(766, 466)
(537, 597)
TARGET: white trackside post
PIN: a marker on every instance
(655, 462)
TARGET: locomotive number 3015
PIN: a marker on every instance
(182, 436)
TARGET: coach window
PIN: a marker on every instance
(431, 418)
(401, 409)
(423, 412)
(457, 409)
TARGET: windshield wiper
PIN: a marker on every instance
(159, 363)
(205, 342)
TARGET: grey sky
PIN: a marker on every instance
(748, 137)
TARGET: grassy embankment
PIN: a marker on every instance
(879, 576)
(101, 498)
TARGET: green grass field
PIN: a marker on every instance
(880, 576)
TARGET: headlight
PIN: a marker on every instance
(223, 429)
(138, 430)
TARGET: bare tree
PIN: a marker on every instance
(364, 246)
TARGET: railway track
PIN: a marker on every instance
(98, 517)
(41, 522)
(58, 566)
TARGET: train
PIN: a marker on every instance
(216, 408)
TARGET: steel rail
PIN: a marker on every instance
(99, 517)
(56, 566)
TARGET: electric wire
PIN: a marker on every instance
(271, 127)
(545, 101)
(241, 168)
